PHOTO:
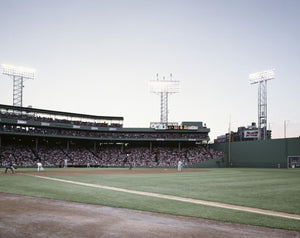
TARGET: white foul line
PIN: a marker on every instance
(182, 199)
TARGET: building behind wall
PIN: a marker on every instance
(243, 133)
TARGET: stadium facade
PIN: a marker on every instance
(31, 134)
(40, 130)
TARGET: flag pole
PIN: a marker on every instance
(229, 141)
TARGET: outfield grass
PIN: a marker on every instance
(272, 189)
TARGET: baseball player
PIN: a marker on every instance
(40, 166)
(66, 163)
(179, 166)
(130, 165)
(11, 167)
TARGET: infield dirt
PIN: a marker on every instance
(109, 171)
(23, 216)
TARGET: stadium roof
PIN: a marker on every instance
(59, 113)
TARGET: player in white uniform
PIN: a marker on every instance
(40, 166)
(66, 163)
(179, 166)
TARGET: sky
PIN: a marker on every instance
(98, 56)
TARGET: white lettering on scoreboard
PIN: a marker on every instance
(251, 134)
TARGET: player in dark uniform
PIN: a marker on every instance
(11, 167)
(130, 165)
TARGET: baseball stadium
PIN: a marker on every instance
(83, 151)
(100, 179)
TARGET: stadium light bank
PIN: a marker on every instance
(164, 88)
(18, 74)
(261, 79)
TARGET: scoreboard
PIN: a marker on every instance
(172, 126)
(181, 127)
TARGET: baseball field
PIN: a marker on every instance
(259, 202)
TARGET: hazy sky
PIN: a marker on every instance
(97, 57)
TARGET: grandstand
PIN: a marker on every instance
(31, 134)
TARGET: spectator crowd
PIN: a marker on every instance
(112, 155)
(23, 155)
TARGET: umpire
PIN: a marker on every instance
(11, 167)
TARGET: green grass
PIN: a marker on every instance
(273, 189)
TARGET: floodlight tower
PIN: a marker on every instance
(18, 74)
(164, 88)
(261, 78)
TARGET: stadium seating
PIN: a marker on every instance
(107, 156)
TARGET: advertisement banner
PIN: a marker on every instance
(157, 126)
(192, 127)
(251, 134)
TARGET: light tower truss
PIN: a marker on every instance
(261, 78)
(18, 74)
(164, 88)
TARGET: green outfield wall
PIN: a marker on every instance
(259, 154)
(219, 162)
